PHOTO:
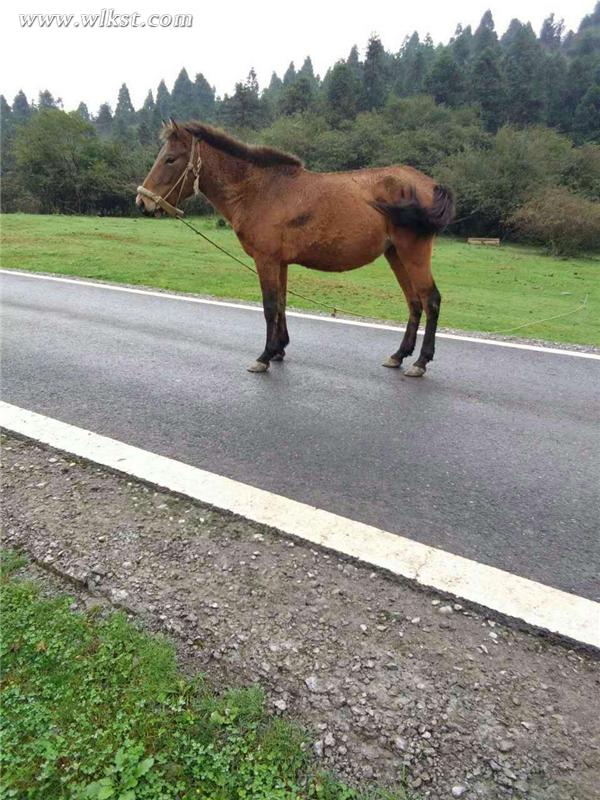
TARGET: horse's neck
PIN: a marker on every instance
(225, 181)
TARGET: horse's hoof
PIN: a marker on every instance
(391, 362)
(278, 357)
(414, 371)
(258, 366)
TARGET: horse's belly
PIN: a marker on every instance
(344, 252)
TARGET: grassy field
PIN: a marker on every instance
(483, 289)
(93, 709)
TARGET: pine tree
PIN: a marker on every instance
(204, 98)
(104, 120)
(416, 73)
(298, 96)
(485, 35)
(552, 32)
(354, 62)
(413, 64)
(83, 111)
(124, 110)
(586, 122)
(522, 68)
(308, 74)
(5, 109)
(289, 75)
(163, 102)
(46, 100)
(486, 87)
(445, 81)
(7, 155)
(144, 130)
(20, 108)
(554, 85)
(578, 82)
(244, 109)
(182, 96)
(343, 93)
(375, 79)
(462, 45)
(149, 104)
(510, 33)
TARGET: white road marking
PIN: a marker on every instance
(536, 604)
(302, 315)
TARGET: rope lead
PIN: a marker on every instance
(334, 310)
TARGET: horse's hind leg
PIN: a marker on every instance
(415, 309)
(282, 331)
(415, 254)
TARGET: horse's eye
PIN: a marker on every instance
(169, 160)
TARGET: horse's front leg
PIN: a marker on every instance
(282, 331)
(269, 276)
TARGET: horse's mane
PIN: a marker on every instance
(255, 154)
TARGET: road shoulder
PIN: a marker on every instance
(391, 680)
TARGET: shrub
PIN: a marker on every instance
(564, 222)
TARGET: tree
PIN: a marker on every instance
(412, 66)
(6, 135)
(343, 93)
(124, 110)
(354, 62)
(551, 33)
(244, 109)
(203, 98)
(375, 79)
(5, 110)
(83, 111)
(20, 108)
(462, 45)
(182, 96)
(486, 87)
(104, 120)
(289, 75)
(554, 85)
(307, 72)
(485, 35)
(511, 33)
(522, 68)
(586, 123)
(53, 151)
(298, 96)
(149, 105)
(163, 101)
(46, 100)
(445, 81)
(145, 127)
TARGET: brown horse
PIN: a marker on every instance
(284, 214)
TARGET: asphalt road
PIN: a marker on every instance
(494, 455)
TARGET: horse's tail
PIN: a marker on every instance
(423, 220)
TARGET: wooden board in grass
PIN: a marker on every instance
(488, 242)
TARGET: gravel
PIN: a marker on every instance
(392, 682)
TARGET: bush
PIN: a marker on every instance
(492, 183)
(564, 222)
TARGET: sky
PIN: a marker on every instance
(225, 40)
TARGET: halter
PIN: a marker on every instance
(193, 166)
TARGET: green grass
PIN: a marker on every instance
(483, 289)
(94, 709)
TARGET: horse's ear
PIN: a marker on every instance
(174, 124)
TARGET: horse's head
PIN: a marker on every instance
(173, 173)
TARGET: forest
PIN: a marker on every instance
(511, 122)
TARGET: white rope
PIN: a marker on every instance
(546, 319)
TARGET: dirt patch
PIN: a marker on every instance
(394, 683)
